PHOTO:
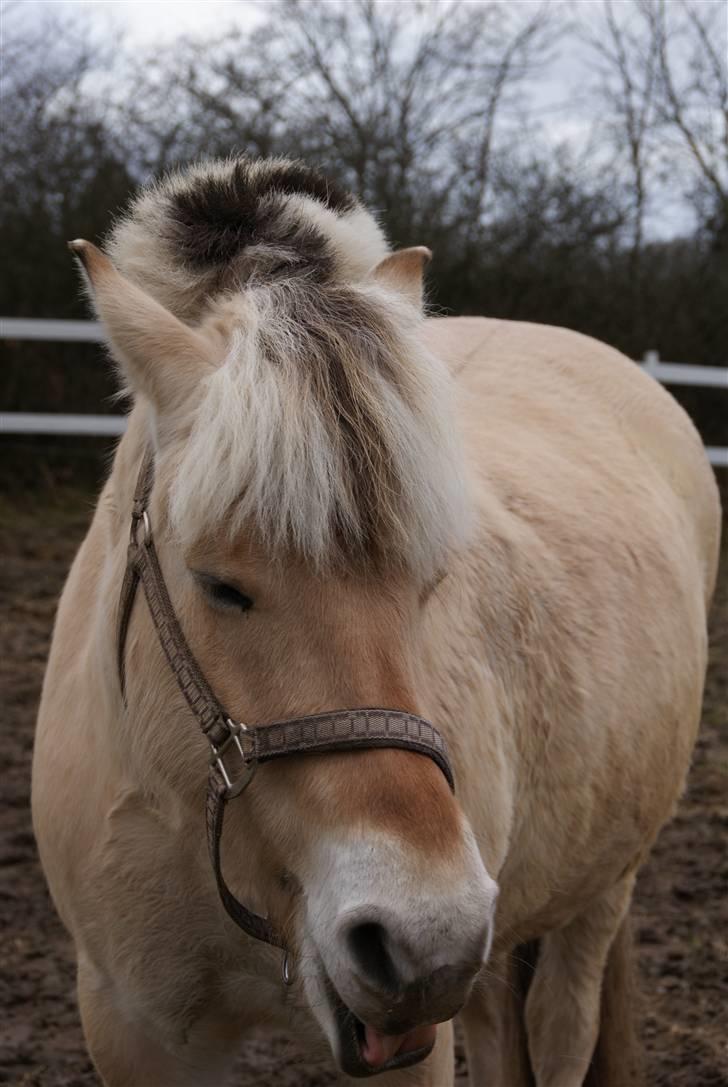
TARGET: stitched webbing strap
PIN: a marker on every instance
(252, 923)
(339, 730)
(349, 730)
(210, 715)
(142, 491)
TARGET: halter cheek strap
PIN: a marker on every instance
(339, 730)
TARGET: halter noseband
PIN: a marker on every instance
(340, 730)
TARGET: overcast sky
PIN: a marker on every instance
(150, 21)
(560, 97)
(147, 22)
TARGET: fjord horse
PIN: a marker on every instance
(506, 529)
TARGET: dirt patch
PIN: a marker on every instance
(681, 912)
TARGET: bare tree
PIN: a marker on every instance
(192, 103)
(406, 103)
(414, 94)
(689, 41)
(626, 62)
(62, 164)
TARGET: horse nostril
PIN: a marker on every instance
(368, 946)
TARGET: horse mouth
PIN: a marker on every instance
(365, 1051)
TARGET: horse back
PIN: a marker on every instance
(544, 407)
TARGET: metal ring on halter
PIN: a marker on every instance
(286, 970)
(144, 518)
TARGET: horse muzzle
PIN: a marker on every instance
(386, 1023)
(399, 960)
(363, 1050)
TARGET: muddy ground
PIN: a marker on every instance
(681, 913)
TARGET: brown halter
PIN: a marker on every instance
(340, 730)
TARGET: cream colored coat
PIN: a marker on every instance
(565, 654)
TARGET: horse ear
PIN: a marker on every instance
(403, 271)
(160, 355)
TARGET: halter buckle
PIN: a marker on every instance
(243, 741)
(142, 517)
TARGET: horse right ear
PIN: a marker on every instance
(162, 357)
(403, 271)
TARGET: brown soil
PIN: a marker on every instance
(681, 911)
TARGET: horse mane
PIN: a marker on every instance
(327, 426)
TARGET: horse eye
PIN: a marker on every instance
(224, 595)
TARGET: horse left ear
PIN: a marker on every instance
(160, 355)
(403, 271)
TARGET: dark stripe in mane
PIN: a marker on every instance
(340, 340)
(213, 219)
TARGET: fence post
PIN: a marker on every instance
(650, 361)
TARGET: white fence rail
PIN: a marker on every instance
(27, 422)
(22, 328)
(35, 328)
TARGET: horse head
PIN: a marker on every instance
(308, 499)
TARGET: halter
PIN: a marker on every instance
(340, 730)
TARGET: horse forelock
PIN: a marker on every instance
(327, 425)
(327, 430)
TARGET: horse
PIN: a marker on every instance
(484, 549)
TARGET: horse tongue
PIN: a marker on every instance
(378, 1048)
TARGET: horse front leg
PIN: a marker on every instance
(127, 1052)
(563, 1007)
(440, 1067)
(493, 1021)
